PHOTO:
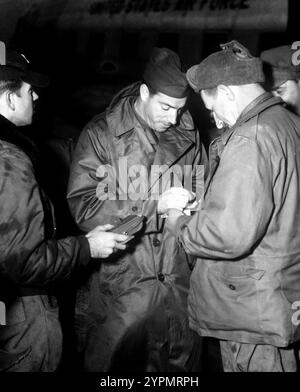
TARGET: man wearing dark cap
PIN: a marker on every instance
(283, 75)
(245, 285)
(32, 261)
(132, 311)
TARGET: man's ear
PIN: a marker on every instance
(10, 99)
(226, 91)
(144, 92)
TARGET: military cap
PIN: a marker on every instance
(164, 73)
(14, 65)
(278, 65)
(233, 65)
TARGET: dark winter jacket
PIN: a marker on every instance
(134, 306)
(245, 285)
(31, 259)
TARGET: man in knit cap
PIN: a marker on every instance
(283, 75)
(245, 285)
(133, 310)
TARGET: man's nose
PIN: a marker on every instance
(219, 123)
(173, 117)
(35, 96)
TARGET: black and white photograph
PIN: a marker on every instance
(149, 190)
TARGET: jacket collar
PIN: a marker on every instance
(121, 119)
(119, 113)
(255, 107)
(5, 127)
(10, 133)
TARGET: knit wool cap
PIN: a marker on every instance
(232, 66)
(278, 65)
(164, 73)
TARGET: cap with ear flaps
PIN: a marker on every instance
(233, 65)
(164, 73)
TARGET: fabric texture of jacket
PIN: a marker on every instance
(133, 308)
(246, 281)
(32, 261)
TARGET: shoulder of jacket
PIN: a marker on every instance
(98, 124)
(269, 118)
(16, 168)
(261, 131)
(11, 153)
(247, 130)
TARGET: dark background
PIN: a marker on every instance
(88, 67)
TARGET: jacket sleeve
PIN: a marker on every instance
(237, 207)
(26, 257)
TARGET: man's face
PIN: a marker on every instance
(24, 105)
(161, 111)
(218, 107)
(289, 92)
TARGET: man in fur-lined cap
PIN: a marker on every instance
(245, 285)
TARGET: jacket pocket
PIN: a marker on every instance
(236, 273)
(236, 294)
(240, 281)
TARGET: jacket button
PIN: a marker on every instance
(134, 208)
(232, 287)
(161, 277)
(156, 242)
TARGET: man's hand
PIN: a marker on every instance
(174, 198)
(103, 243)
